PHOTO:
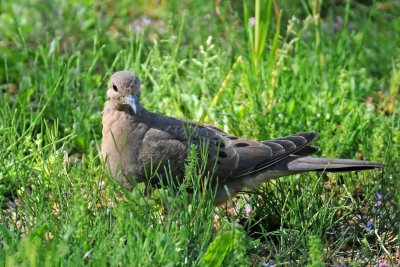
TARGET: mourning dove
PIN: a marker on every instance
(137, 143)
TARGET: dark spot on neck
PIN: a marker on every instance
(233, 137)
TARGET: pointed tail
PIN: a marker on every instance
(331, 165)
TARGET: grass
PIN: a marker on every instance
(332, 68)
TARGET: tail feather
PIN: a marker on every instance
(330, 165)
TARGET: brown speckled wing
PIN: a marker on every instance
(239, 157)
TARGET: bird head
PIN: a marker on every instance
(124, 90)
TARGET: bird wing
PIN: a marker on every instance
(228, 156)
(246, 157)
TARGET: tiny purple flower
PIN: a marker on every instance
(379, 197)
(383, 263)
(252, 21)
(11, 203)
(248, 210)
(267, 264)
(369, 227)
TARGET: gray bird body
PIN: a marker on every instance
(137, 143)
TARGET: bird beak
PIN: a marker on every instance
(133, 102)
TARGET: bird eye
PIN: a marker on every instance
(115, 88)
